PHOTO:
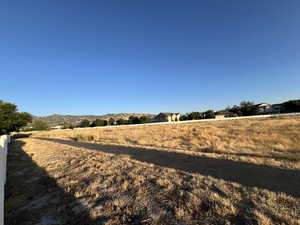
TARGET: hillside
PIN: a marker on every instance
(56, 119)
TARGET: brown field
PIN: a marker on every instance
(219, 172)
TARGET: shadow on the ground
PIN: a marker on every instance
(288, 155)
(33, 197)
(248, 174)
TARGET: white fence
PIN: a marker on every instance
(4, 140)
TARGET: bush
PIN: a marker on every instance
(10, 119)
(111, 121)
(144, 119)
(235, 110)
(40, 125)
(67, 126)
(98, 123)
(209, 114)
(248, 108)
(183, 117)
(134, 120)
(84, 123)
(194, 116)
(122, 122)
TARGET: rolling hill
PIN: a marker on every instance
(56, 119)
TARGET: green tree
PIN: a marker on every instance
(235, 110)
(98, 122)
(183, 117)
(10, 119)
(209, 114)
(84, 123)
(121, 121)
(247, 108)
(292, 106)
(194, 116)
(144, 119)
(40, 125)
(111, 121)
(134, 120)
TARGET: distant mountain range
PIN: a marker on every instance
(56, 119)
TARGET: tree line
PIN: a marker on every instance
(246, 108)
(11, 120)
(209, 114)
(110, 122)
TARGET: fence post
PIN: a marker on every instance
(4, 140)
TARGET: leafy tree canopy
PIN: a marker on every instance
(292, 106)
(122, 121)
(247, 108)
(10, 119)
(209, 114)
(194, 116)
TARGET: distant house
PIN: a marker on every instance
(167, 117)
(263, 108)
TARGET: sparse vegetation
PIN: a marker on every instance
(67, 126)
(39, 125)
(247, 140)
(84, 123)
(225, 172)
(98, 122)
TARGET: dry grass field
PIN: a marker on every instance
(219, 172)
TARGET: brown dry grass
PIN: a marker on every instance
(274, 141)
(108, 183)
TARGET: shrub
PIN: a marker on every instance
(98, 122)
(84, 123)
(111, 121)
(67, 126)
(194, 116)
(122, 121)
(40, 125)
(183, 117)
(209, 114)
(134, 120)
(144, 119)
(247, 108)
(235, 110)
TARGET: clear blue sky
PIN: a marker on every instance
(96, 57)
